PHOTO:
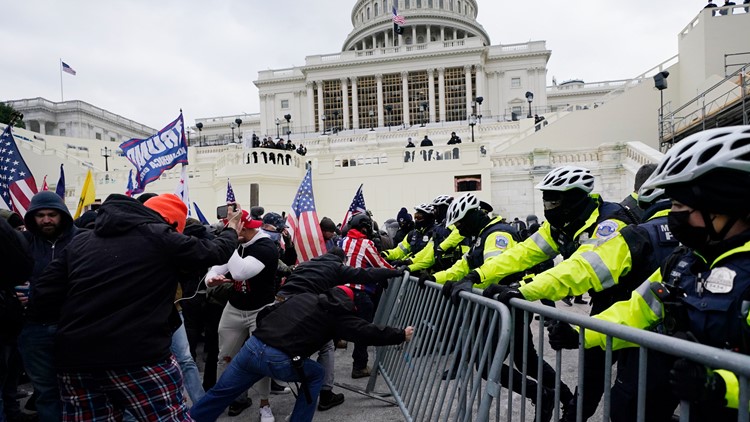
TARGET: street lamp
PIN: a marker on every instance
(423, 106)
(277, 127)
(233, 125)
(288, 118)
(389, 109)
(372, 115)
(529, 98)
(479, 112)
(660, 83)
(239, 132)
(199, 125)
(106, 153)
(472, 123)
(323, 118)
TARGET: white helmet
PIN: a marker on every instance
(458, 208)
(566, 178)
(648, 195)
(698, 154)
(425, 208)
(442, 200)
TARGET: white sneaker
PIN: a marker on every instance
(266, 415)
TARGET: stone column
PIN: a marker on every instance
(469, 98)
(374, 41)
(480, 81)
(355, 104)
(455, 34)
(310, 122)
(321, 105)
(405, 97)
(431, 93)
(386, 38)
(414, 34)
(345, 102)
(442, 33)
(379, 79)
(400, 40)
(429, 34)
(441, 92)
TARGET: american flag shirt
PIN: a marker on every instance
(361, 253)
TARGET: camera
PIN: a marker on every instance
(221, 211)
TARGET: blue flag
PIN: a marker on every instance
(60, 188)
(129, 189)
(201, 217)
(154, 155)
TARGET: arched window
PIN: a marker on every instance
(408, 40)
(419, 4)
(429, 4)
(458, 6)
(368, 13)
(420, 39)
(377, 10)
(441, 5)
(406, 4)
(450, 5)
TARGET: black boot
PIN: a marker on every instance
(329, 399)
(547, 407)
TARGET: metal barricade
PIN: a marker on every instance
(450, 371)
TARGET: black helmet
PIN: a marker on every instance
(361, 222)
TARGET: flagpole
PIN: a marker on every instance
(62, 97)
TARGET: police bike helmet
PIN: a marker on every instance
(442, 200)
(565, 178)
(709, 170)
(361, 222)
(648, 196)
(460, 207)
(425, 209)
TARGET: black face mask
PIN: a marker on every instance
(690, 236)
(557, 217)
(473, 223)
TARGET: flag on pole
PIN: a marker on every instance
(67, 69)
(44, 183)
(17, 184)
(201, 217)
(182, 188)
(357, 206)
(60, 188)
(130, 187)
(230, 193)
(398, 21)
(303, 221)
(88, 194)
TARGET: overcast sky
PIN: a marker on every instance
(146, 59)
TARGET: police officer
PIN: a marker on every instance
(707, 176)
(447, 245)
(574, 217)
(618, 263)
(417, 239)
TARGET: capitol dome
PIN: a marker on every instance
(426, 21)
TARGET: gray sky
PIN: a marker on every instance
(146, 59)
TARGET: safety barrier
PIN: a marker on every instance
(451, 370)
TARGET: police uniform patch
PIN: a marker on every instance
(606, 229)
(721, 280)
(425, 238)
(501, 242)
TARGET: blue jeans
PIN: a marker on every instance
(191, 377)
(36, 344)
(255, 361)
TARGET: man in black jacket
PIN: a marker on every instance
(288, 333)
(112, 290)
(317, 276)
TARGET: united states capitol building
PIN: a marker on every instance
(355, 109)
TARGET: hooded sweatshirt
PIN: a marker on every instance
(113, 287)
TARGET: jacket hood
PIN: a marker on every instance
(120, 214)
(356, 234)
(47, 200)
(336, 301)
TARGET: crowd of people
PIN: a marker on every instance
(268, 142)
(105, 313)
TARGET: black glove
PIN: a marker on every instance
(473, 277)
(452, 290)
(383, 283)
(506, 293)
(402, 269)
(562, 336)
(399, 263)
(426, 277)
(694, 382)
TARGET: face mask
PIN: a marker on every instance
(274, 236)
(557, 217)
(690, 236)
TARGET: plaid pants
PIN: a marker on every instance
(149, 393)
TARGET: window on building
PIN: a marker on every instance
(450, 5)
(468, 183)
(368, 13)
(112, 139)
(441, 5)
(99, 136)
(367, 93)
(515, 82)
(517, 110)
(458, 6)
(406, 4)
(419, 91)
(62, 132)
(455, 94)
(393, 98)
(377, 10)
(284, 104)
(429, 4)
(419, 4)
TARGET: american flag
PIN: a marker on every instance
(303, 221)
(17, 184)
(67, 69)
(357, 206)
(398, 19)
(230, 193)
(182, 189)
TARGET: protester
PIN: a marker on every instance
(288, 333)
(113, 290)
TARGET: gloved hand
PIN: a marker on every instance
(400, 263)
(383, 282)
(426, 277)
(562, 336)
(694, 382)
(472, 277)
(506, 293)
(452, 290)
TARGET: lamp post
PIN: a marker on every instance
(238, 121)
(372, 115)
(233, 125)
(323, 118)
(660, 83)
(288, 118)
(389, 109)
(423, 106)
(472, 123)
(529, 98)
(277, 127)
(199, 125)
(106, 153)
(479, 112)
